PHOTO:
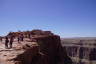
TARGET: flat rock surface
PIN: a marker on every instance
(6, 55)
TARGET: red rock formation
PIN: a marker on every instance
(48, 51)
(51, 47)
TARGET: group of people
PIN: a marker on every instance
(20, 38)
(9, 40)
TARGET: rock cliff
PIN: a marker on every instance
(51, 47)
(40, 49)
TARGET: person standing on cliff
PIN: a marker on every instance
(18, 39)
(1, 39)
(11, 41)
(6, 42)
(22, 37)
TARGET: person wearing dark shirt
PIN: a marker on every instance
(22, 37)
(6, 42)
(11, 41)
(1, 39)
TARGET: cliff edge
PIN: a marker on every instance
(42, 49)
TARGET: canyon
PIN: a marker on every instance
(81, 50)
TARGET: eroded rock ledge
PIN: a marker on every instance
(20, 54)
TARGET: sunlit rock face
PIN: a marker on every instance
(43, 47)
(19, 54)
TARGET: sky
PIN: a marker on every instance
(67, 18)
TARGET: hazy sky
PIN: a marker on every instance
(68, 18)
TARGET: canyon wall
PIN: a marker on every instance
(81, 51)
(51, 47)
